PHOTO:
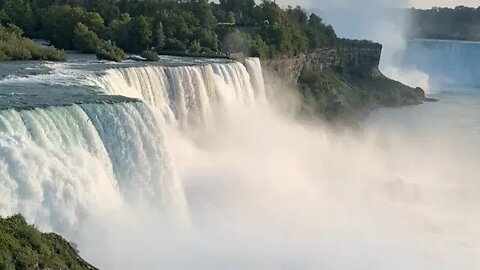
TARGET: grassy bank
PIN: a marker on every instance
(22, 246)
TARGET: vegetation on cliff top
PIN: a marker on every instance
(108, 28)
(23, 247)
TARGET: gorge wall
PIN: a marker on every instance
(340, 81)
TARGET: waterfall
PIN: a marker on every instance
(61, 165)
(451, 62)
(254, 68)
(187, 94)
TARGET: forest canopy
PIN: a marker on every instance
(460, 23)
(189, 26)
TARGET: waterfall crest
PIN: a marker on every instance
(187, 94)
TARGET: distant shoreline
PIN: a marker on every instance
(443, 40)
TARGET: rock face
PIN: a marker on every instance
(341, 81)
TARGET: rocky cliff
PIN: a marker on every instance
(340, 81)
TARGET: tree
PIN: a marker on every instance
(202, 10)
(245, 10)
(140, 34)
(20, 13)
(248, 44)
(195, 47)
(136, 25)
(173, 44)
(119, 30)
(85, 40)
(207, 38)
(158, 41)
(60, 21)
(230, 17)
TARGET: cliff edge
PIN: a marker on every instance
(341, 82)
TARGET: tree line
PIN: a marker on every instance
(460, 23)
(111, 27)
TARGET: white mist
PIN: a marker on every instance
(265, 191)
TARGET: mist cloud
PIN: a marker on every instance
(268, 192)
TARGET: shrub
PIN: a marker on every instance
(52, 54)
(150, 55)
(109, 51)
(195, 47)
(85, 40)
(3, 56)
(13, 46)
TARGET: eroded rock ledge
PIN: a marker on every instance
(342, 81)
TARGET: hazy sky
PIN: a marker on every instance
(444, 3)
(395, 3)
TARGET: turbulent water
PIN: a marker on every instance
(448, 63)
(189, 164)
(186, 93)
(60, 164)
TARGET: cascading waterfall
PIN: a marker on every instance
(103, 175)
(61, 165)
(254, 68)
(186, 94)
(53, 166)
(134, 139)
(72, 169)
(448, 62)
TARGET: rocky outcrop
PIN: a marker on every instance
(288, 69)
(341, 81)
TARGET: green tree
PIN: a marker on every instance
(20, 13)
(248, 44)
(195, 47)
(203, 12)
(158, 41)
(85, 40)
(119, 30)
(230, 17)
(206, 37)
(60, 21)
(140, 34)
(172, 44)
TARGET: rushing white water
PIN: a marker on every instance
(187, 93)
(254, 68)
(60, 166)
(261, 189)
